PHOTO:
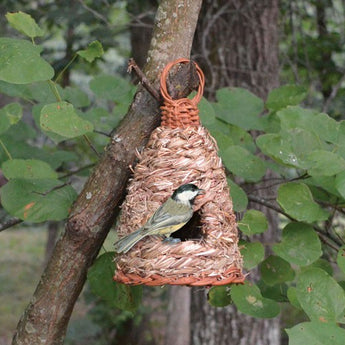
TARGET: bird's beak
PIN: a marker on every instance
(201, 192)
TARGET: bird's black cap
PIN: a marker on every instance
(187, 187)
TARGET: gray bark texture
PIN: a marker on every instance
(46, 318)
(237, 45)
(178, 325)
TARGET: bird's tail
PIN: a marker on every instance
(126, 243)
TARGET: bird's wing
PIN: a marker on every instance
(163, 218)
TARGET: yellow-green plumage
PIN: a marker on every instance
(168, 218)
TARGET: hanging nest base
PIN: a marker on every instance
(174, 157)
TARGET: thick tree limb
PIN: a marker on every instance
(9, 223)
(45, 319)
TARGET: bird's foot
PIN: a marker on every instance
(171, 240)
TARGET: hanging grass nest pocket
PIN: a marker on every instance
(179, 152)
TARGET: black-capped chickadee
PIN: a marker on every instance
(168, 218)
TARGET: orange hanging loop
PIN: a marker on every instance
(183, 112)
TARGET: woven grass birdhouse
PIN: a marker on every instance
(180, 151)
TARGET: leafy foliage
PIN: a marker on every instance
(300, 244)
(25, 24)
(305, 149)
(35, 191)
(316, 333)
(249, 300)
(116, 294)
(253, 222)
(20, 62)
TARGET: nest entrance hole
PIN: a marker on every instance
(192, 230)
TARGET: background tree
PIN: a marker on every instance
(303, 147)
(237, 45)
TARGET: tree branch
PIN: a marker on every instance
(9, 223)
(325, 237)
(45, 319)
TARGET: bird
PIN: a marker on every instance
(172, 215)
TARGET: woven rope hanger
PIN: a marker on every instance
(180, 151)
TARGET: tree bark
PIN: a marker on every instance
(46, 317)
(237, 45)
(226, 326)
(53, 229)
(141, 27)
(178, 330)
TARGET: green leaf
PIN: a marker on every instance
(37, 200)
(219, 296)
(28, 169)
(341, 258)
(248, 300)
(239, 107)
(100, 278)
(238, 195)
(42, 92)
(323, 188)
(206, 112)
(323, 264)
(316, 333)
(25, 24)
(19, 132)
(289, 147)
(275, 270)
(296, 117)
(292, 297)
(321, 124)
(93, 51)
(340, 183)
(36, 113)
(320, 296)
(253, 253)
(342, 284)
(324, 163)
(277, 292)
(276, 147)
(20, 62)
(56, 158)
(15, 139)
(61, 118)
(232, 135)
(300, 245)
(341, 136)
(76, 96)
(297, 201)
(243, 164)
(15, 90)
(101, 119)
(253, 222)
(325, 127)
(112, 88)
(10, 114)
(223, 141)
(285, 95)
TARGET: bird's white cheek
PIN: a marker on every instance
(186, 196)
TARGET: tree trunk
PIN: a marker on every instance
(53, 229)
(141, 28)
(226, 326)
(237, 45)
(46, 317)
(178, 325)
